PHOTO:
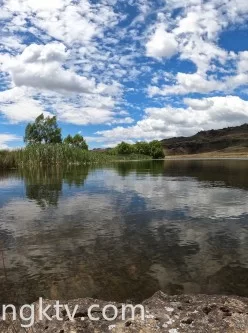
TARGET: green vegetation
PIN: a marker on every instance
(44, 146)
(156, 149)
(43, 130)
(124, 149)
(153, 149)
(58, 154)
(77, 141)
(7, 159)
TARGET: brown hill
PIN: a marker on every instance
(229, 139)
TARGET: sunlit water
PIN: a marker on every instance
(124, 231)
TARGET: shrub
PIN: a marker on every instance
(156, 149)
(124, 148)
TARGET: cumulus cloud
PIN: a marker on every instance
(42, 82)
(187, 83)
(57, 18)
(23, 110)
(40, 66)
(85, 61)
(198, 104)
(85, 115)
(56, 61)
(5, 139)
(243, 62)
(196, 31)
(52, 52)
(203, 114)
(198, 83)
(17, 106)
(161, 44)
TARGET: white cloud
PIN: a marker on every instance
(24, 110)
(196, 30)
(42, 81)
(11, 43)
(187, 83)
(40, 66)
(45, 4)
(201, 52)
(23, 105)
(5, 139)
(126, 120)
(198, 104)
(159, 123)
(161, 44)
(85, 115)
(65, 20)
(17, 106)
(52, 52)
(198, 83)
(243, 62)
(72, 59)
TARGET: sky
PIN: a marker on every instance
(123, 70)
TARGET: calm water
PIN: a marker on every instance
(124, 231)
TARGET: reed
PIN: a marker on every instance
(8, 159)
(57, 154)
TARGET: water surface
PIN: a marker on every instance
(124, 231)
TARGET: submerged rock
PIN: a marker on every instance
(163, 313)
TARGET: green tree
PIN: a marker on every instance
(76, 141)
(142, 147)
(43, 130)
(156, 149)
(68, 140)
(124, 148)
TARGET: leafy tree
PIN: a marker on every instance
(142, 147)
(43, 130)
(156, 149)
(76, 141)
(124, 148)
(68, 140)
(79, 142)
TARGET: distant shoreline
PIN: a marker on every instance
(209, 156)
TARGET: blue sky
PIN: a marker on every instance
(118, 70)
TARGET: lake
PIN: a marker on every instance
(123, 231)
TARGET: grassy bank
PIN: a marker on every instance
(54, 154)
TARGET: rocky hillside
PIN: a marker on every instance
(229, 139)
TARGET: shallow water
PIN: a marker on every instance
(123, 231)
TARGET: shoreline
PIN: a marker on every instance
(162, 313)
(209, 156)
(182, 158)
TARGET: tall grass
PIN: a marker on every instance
(57, 154)
(8, 159)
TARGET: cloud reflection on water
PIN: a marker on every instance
(125, 231)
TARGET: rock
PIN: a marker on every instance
(163, 313)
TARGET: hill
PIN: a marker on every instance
(229, 140)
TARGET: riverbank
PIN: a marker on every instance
(211, 155)
(163, 313)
